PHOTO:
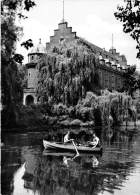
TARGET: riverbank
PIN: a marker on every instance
(50, 123)
(75, 125)
(108, 109)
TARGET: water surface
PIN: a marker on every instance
(27, 169)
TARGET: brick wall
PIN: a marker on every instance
(32, 78)
(110, 78)
(62, 31)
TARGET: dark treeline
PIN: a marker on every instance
(12, 90)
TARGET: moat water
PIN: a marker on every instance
(26, 169)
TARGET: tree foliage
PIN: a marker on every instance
(129, 15)
(114, 105)
(11, 80)
(131, 80)
(66, 73)
(101, 109)
(27, 44)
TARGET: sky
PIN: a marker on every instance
(93, 20)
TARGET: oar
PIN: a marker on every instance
(75, 148)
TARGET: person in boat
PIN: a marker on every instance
(95, 141)
(67, 138)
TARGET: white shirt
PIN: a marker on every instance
(95, 141)
(66, 138)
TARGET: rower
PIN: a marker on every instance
(67, 138)
(95, 141)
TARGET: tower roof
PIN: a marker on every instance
(39, 48)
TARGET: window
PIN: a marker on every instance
(32, 57)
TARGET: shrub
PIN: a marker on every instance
(60, 109)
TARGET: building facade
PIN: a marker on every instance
(110, 68)
(29, 95)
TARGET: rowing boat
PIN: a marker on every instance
(55, 153)
(70, 147)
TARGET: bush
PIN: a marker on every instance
(138, 107)
(60, 109)
(85, 107)
(72, 112)
(76, 122)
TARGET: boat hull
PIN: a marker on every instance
(69, 147)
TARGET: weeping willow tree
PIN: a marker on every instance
(68, 78)
(108, 108)
(66, 73)
(115, 107)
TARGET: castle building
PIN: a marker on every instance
(111, 64)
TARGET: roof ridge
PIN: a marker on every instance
(91, 44)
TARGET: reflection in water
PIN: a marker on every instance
(63, 175)
(26, 170)
(90, 159)
(67, 159)
(19, 183)
(95, 162)
(9, 165)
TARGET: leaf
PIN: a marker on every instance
(28, 4)
(18, 58)
(27, 44)
(129, 15)
(22, 16)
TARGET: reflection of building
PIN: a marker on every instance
(110, 68)
(31, 162)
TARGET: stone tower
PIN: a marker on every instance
(29, 96)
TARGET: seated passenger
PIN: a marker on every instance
(94, 142)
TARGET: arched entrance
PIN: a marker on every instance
(29, 100)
